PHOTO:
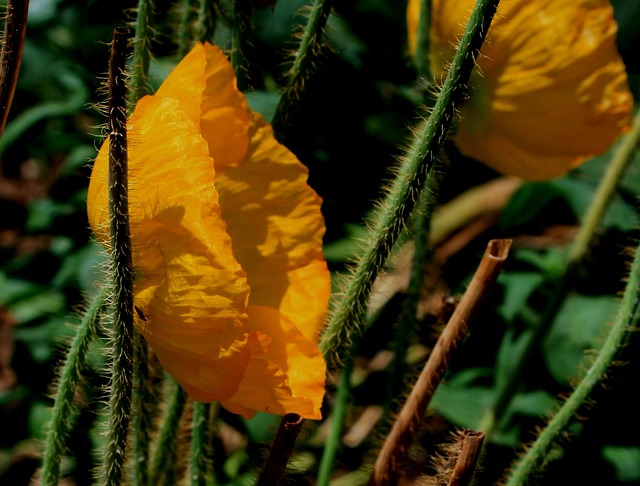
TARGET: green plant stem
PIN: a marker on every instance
(345, 324)
(185, 29)
(141, 52)
(142, 417)
(624, 326)
(121, 268)
(338, 416)
(198, 458)
(406, 327)
(423, 44)
(206, 20)
(15, 29)
(63, 407)
(166, 452)
(566, 277)
(305, 59)
(240, 42)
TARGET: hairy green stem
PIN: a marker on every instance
(206, 20)
(141, 52)
(121, 267)
(199, 451)
(345, 324)
(63, 407)
(406, 326)
(331, 446)
(423, 41)
(241, 42)
(142, 416)
(166, 452)
(305, 59)
(15, 29)
(185, 36)
(624, 326)
(579, 248)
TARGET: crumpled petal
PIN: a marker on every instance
(254, 352)
(550, 91)
(275, 223)
(189, 285)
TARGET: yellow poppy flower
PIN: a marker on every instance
(550, 89)
(231, 284)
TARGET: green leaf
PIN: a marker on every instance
(579, 193)
(527, 202)
(625, 460)
(577, 328)
(518, 286)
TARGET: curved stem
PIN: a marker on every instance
(141, 52)
(338, 417)
(345, 324)
(624, 326)
(63, 406)
(590, 224)
(198, 458)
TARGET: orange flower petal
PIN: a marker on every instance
(275, 223)
(192, 289)
(553, 89)
(286, 373)
(189, 285)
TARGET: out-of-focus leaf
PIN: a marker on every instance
(39, 417)
(346, 249)
(41, 340)
(264, 102)
(577, 328)
(527, 202)
(579, 194)
(625, 460)
(45, 303)
(518, 286)
(261, 427)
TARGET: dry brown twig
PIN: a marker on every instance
(401, 436)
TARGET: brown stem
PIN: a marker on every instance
(401, 435)
(15, 28)
(466, 463)
(281, 449)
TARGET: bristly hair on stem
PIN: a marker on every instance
(121, 266)
(15, 28)
(305, 59)
(345, 324)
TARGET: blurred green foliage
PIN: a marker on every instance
(352, 126)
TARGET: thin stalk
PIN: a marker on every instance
(281, 450)
(401, 436)
(305, 59)
(580, 246)
(142, 416)
(625, 324)
(166, 452)
(198, 458)
(206, 20)
(63, 407)
(121, 267)
(240, 42)
(185, 29)
(15, 29)
(141, 52)
(406, 327)
(331, 446)
(345, 324)
(469, 453)
(423, 44)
